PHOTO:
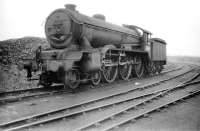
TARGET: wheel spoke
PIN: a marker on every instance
(138, 68)
(96, 78)
(72, 79)
(110, 73)
(125, 71)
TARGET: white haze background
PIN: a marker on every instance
(176, 21)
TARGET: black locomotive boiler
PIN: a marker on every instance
(90, 49)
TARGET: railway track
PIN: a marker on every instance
(18, 95)
(97, 104)
(136, 111)
(14, 96)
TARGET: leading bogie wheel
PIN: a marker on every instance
(72, 79)
(44, 80)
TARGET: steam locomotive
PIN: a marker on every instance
(90, 49)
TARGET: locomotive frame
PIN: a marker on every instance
(90, 49)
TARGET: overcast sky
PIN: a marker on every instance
(176, 21)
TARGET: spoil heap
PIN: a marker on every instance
(12, 52)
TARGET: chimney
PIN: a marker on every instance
(70, 7)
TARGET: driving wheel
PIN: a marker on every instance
(138, 67)
(110, 73)
(125, 71)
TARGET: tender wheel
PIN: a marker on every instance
(110, 73)
(153, 68)
(139, 67)
(96, 78)
(125, 71)
(72, 79)
(159, 68)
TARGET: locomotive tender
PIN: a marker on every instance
(90, 49)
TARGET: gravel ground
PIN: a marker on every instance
(184, 116)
